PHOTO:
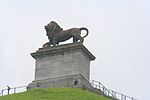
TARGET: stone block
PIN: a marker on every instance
(58, 65)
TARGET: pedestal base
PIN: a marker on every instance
(62, 66)
(67, 81)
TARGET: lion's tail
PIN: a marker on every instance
(87, 31)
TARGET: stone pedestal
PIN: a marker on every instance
(62, 66)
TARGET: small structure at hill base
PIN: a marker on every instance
(65, 65)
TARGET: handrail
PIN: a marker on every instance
(110, 93)
(94, 84)
(9, 90)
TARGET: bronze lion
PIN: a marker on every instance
(56, 34)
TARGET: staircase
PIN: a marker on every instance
(110, 93)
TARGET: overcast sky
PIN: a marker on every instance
(119, 38)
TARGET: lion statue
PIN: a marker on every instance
(56, 34)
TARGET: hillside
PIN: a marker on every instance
(55, 94)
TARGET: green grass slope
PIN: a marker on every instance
(55, 94)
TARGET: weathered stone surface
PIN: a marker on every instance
(65, 81)
(61, 62)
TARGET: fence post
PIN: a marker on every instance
(103, 89)
(114, 94)
(99, 85)
(122, 97)
(125, 97)
(8, 89)
(2, 92)
(108, 92)
(14, 90)
(93, 82)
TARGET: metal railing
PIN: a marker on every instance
(13, 90)
(110, 93)
(68, 83)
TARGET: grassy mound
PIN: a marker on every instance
(55, 94)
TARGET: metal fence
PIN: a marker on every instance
(9, 90)
(110, 93)
(68, 83)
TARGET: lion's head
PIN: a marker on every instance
(52, 27)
